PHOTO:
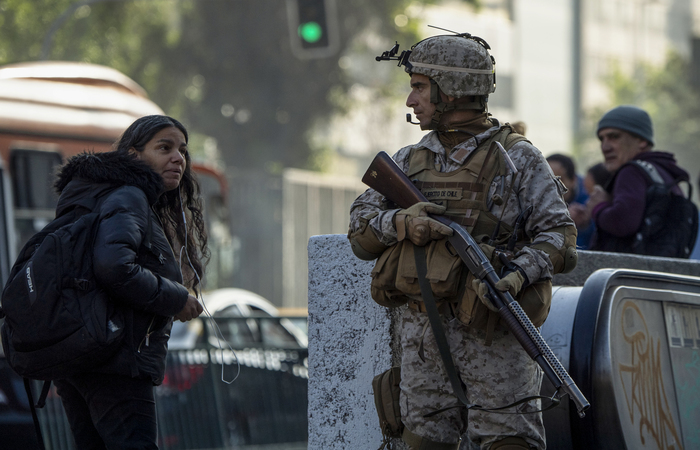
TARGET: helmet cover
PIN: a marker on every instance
(460, 65)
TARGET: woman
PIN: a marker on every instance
(142, 243)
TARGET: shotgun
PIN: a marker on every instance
(387, 178)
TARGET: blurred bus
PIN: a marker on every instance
(51, 110)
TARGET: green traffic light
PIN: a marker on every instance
(310, 32)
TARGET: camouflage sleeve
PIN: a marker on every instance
(369, 209)
(549, 226)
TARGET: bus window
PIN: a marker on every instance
(34, 197)
(33, 174)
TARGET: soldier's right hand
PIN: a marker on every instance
(414, 224)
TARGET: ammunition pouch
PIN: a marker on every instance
(383, 286)
(395, 278)
(386, 399)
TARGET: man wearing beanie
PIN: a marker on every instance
(618, 209)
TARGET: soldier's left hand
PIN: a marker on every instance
(512, 283)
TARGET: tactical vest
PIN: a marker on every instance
(465, 194)
(465, 191)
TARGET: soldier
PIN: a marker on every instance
(495, 195)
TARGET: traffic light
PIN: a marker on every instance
(313, 28)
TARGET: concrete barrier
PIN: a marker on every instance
(351, 338)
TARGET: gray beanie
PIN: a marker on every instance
(631, 119)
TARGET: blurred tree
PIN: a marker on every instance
(224, 67)
(669, 97)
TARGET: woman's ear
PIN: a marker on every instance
(132, 151)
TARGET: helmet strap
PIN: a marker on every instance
(478, 103)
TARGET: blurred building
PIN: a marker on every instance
(553, 58)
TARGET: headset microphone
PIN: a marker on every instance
(408, 119)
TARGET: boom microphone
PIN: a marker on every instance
(408, 119)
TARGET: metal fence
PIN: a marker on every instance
(271, 257)
(265, 405)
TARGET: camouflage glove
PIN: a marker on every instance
(512, 283)
(415, 225)
(488, 250)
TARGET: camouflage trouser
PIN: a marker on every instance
(494, 376)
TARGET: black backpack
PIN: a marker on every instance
(670, 225)
(58, 321)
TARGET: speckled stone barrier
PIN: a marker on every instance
(352, 339)
(349, 342)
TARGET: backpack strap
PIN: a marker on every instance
(512, 138)
(649, 170)
(653, 175)
(39, 404)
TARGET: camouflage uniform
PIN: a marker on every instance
(494, 375)
(534, 184)
(502, 372)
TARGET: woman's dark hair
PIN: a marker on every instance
(600, 174)
(168, 206)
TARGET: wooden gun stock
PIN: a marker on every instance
(387, 178)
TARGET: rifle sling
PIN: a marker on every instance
(444, 349)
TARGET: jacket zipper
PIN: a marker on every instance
(168, 241)
(147, 339)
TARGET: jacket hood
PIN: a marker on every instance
(91, 174)
(667, 161)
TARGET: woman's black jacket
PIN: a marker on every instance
(144, 280)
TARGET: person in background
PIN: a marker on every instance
(575, 196)
(596, 175)
(564, 168)
(618, 209)
(696, 251)
(144, 188)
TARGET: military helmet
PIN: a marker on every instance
(460, 64)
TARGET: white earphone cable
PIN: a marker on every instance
(217, 331)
